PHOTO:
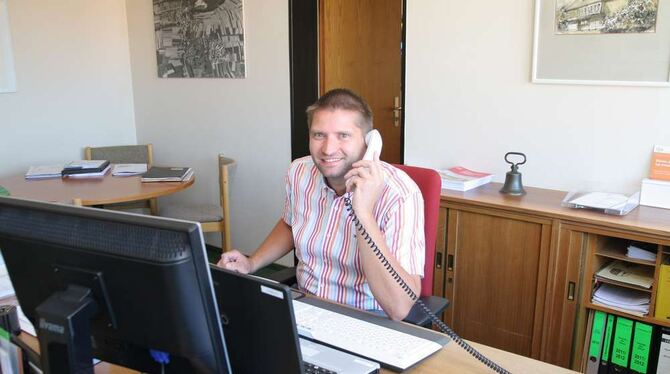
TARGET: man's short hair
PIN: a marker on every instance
(342, 98)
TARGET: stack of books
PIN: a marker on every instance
(86, 169)
(655, 190)
(168, 174)
(44, 171)
(461, 179)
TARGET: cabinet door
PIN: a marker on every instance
(563, 297)
(500, 274)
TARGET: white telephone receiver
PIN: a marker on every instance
(374, 141)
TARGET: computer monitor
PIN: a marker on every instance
(115, 286)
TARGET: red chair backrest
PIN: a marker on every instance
(430, 184)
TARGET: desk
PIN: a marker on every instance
(451, 359)
(91, 191)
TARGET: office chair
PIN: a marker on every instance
(212, 218)
(126, 154)
(430, 184)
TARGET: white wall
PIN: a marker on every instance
(470, 100)
(74, 86)
(190, 121)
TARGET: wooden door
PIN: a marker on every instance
(500, 264)
(360, 49)
(561, 342)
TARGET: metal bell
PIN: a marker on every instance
(513, 185)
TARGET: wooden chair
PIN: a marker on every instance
(212, 218)
(126, 154)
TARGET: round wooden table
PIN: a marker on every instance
(90, 191)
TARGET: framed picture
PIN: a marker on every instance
(602, 42)
(7, 78)
(199, 38)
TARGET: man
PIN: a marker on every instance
(334, 259)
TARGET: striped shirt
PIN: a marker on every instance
(325, 235)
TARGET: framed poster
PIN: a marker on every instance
(602, 42)
(7, 78)
(199, 38)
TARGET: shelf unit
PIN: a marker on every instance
(604, 247)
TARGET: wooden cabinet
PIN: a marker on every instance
(499, 277)
(518, 269)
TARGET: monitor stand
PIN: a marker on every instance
(64, 331)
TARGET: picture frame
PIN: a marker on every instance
(7, 77)
(620, 58)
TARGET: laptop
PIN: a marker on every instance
(260, 331)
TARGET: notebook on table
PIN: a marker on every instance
(260, 331)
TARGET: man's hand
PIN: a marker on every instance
(236, 261)
(367, 179)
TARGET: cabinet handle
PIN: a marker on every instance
(450, 262)
(571, 290)
(438, 260)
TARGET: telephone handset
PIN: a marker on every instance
(374, 141)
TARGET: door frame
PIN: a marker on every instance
(304, 70)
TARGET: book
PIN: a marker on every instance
(84, 167)
(660, 163)
(662, 310)
(461, 179)
(44, 171)
(128, 169)
(90, 174)
(628, 272)
(167, 174)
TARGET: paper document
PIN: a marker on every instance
(640, 253)
(628, 272)
(600, 200)
(621, 298)
(128, 169)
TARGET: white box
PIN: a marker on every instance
(655, 193)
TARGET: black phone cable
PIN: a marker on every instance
(442, 326)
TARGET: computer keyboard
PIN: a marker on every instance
(313, 369)
(387, 346)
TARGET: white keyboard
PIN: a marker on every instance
(378, 343)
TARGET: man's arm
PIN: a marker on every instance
(367, 179)
(277, 244)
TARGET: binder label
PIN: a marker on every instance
(641, 347)
(596, 335)
(621, 345)
(608, 337)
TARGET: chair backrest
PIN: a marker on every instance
(122, 154)
(224, 164)
(430, 184)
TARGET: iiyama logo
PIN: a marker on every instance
(44, 325)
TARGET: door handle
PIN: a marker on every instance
(397, 109)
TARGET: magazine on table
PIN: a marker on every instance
(461, 179)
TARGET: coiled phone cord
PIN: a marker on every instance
(443, 327)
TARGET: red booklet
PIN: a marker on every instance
(461, 179)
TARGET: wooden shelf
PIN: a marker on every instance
(615, 254)
(646, 319)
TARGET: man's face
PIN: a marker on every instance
(335, 142)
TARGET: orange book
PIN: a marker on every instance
(660, 163)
